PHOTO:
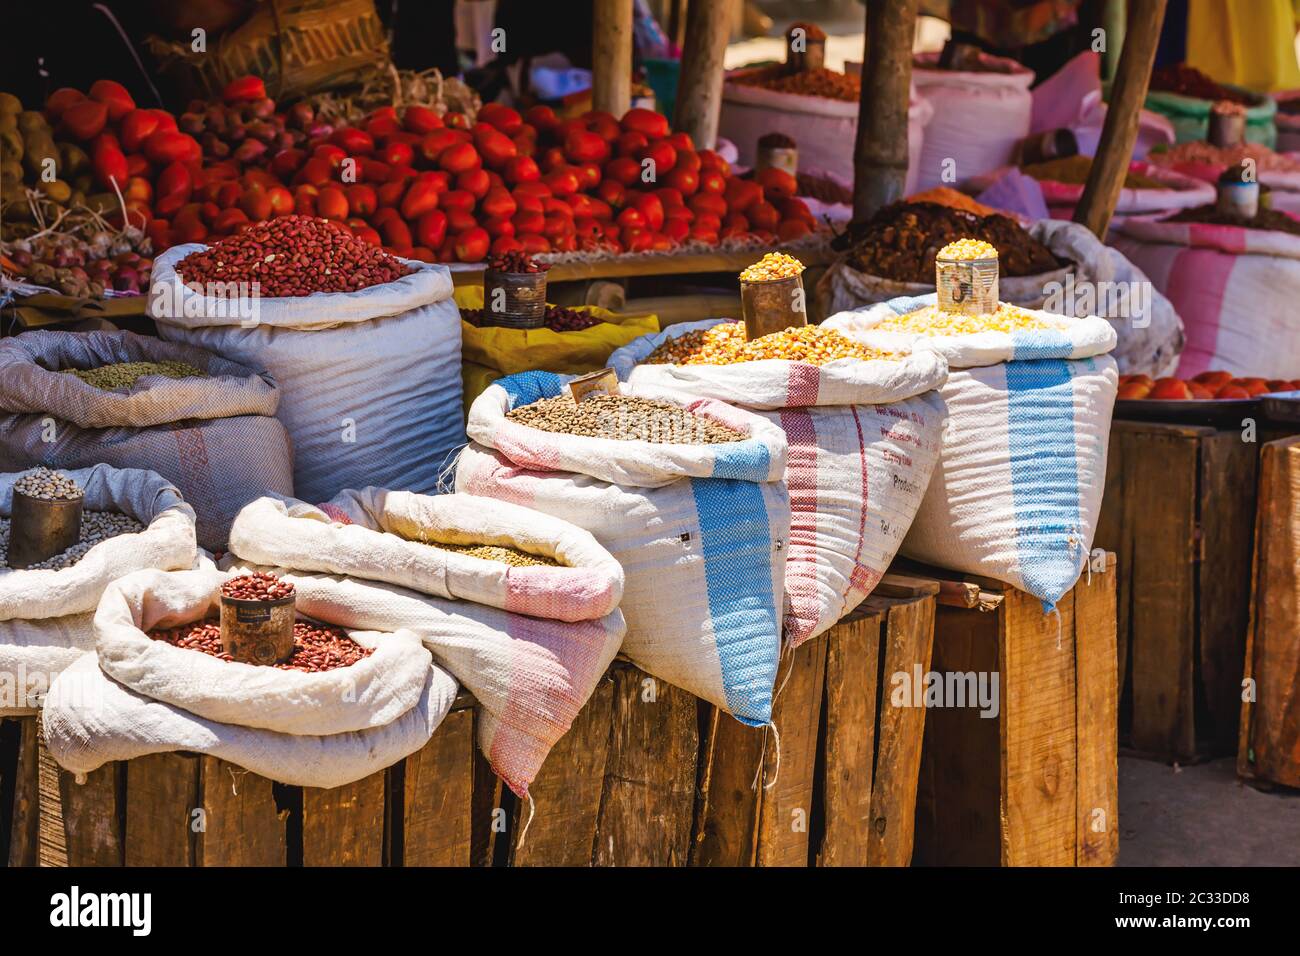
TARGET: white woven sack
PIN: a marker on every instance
(856, 469)
(374, 691)
(46, 616)
(89, 720)
(530, 676)
(703, 550)
(979, 117)
(377, 534)
(370, 381)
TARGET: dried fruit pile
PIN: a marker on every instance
(516, 262)
(725, 344)
(558, 318)
(947, 196)
(829, 84)
(96, 526)
(316, 647)
(1206, 385)
(1075, 169)
(292, 256)
(901, 240)
(126, 374)
(624, 418)
(496, 552)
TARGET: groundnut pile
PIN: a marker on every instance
(126, 374)
(292, 256)
(517, 262)
(725, 344)
(625, 418)
(558, 319)
(48, 485)
(258, 586)
(316, 647)
(96, 526)
(496, 552)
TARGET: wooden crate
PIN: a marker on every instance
(1269, 751)
(839, 785)
(1037, 784)
(1179, 511)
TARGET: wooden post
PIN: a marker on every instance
(1118, 135)
(880, 153)
(611, 56)
(699, 91)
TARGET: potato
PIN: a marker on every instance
(58, 191)
(30, 121)
(10, 104)
(72, 160)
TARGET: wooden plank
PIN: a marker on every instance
(649, 790)
(1162, 482)
(241, 824)
(438, 792)
(566, 793)
(80, 823)
(1097, 692)
(892, 584)
(908, 645)
(1115, 533)
(1271, 744)
(162, 792)
(25, 829)
(1228, 482)
(344, 826)
(726, 813)
(958, 816)
(488, 818)
(786, 802)
(852, 691)
(1038, 732)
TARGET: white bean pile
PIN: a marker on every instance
(96, 526)
(48, 485)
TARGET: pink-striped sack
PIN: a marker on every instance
(863, 438)
(1234, 288)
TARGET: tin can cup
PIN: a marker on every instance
(811, 57)
(772, 305)
(258, 632)
(778, 157)
(39, 528)
(1238, 199)
(967, 286)
(514, 300)
(1226, 129)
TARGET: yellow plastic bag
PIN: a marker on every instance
(490, 353)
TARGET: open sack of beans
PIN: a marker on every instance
(131, 520)
(685, 493)
(1148, 188)
(1029, 396)
(365, 347)
(862, 426)
(520, 606)
(351, 700)
(1235, 288)
(203, 422)
(573, 340)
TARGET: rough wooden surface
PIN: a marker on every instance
(649, 789)
(699, 87)
(566, 793)
(162, 792)
(880, 152)
(344, 826)
(80, 823)
(789, 761)
(726, 811)
(242, 826)
(1096, 689)
(1270, 725)
(438, 783)
(611, 56)
(24, 831)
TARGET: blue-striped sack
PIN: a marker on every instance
(701, 531)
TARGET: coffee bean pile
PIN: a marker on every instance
(517, 262)
(126, 374)
(496, 552)
(624, 418)
(558, 319)
(316, 647)
(258, 586)
(48, 485)
(96, 526)
(292, 256)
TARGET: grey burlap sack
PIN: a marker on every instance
(215, 438)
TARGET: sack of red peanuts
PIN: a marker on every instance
(351, 700)
(519, 606)
(368, 367)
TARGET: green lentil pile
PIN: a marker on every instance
(495, 552)
(96, 526)
(126, 374)
(624, 418)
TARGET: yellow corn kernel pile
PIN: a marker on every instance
(774, 265)
(726, 345)
(965, 249)
(931, 320)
